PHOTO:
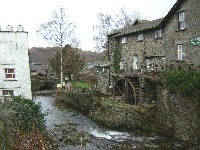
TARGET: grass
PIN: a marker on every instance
(82, 85)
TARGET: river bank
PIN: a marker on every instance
(74, 130)
(116, 114)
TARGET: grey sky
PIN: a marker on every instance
(83, 13)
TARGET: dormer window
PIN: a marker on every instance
(181, 20)
(124, 40)
(140, 37)
(158, 33)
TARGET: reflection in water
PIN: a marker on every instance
(100, 137)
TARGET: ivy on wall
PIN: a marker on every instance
(117, 58)
(186, 83)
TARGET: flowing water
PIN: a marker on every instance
(75, 131)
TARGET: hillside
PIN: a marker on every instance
(43, 55)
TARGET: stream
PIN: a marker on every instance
(75, 131)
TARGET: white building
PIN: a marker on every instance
(14, 63)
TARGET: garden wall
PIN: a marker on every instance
(123, 116)
(110, 112)
(178, 115)
(172, 115)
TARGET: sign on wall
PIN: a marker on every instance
(195, 41)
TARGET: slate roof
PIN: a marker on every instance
(38, 68)
(140, 26)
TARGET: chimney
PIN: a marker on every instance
(9, 28)
(20, 28)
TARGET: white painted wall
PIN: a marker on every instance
(14, 54)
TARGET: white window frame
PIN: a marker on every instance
(7, 92)
(158, 33)
(10, 75)
(140, 37)
(135, 62)
(181, 20)
(121, 64)
(149, 64)
(181, 52)
(124, 40)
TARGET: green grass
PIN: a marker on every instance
(82, 84)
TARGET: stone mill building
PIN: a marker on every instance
(147, 47)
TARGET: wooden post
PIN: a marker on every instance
(114, 82)
(126, 90)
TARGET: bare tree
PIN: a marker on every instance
(57, 31)
(102, 30)
(75, 43)
(108, 23)
(125, 19)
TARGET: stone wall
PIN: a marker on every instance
(150, 46)
(172, 115)
(81, 100)
(121, 116)
(165, 46)
(124, 116)
(173, 36)
(103, 81)
(114, 114)
(178, 116)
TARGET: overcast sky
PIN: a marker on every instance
(83, 13)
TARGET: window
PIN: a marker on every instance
(124, 40)
(149, 64)
(121, 65)
(101, 69)
(181, 20)
(181, 52)
(140, 37)
(135, 62)
(158, 33)
(10, 73)
(7, 92)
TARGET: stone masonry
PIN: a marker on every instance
(158, 44)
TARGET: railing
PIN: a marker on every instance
(172, 65)
(182, 65)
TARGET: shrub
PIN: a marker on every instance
(186, 83)
(109, 102)
(36, 84)
(81, 85)
(27, 123)
(117, 58)
(28, 114)
(6, 134)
